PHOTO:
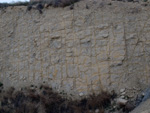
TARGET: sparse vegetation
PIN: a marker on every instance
(5, 5)
(54, 3)
(46, 100)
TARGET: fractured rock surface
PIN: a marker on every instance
(80, 51)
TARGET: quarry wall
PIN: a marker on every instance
(78, 51)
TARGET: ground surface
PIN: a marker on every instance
(143, 107)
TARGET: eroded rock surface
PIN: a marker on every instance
(79, 51)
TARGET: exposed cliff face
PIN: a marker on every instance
(80, 51)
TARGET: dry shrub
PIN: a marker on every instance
(65, 3)
(46, 100)
(5, 5)
(1, 84)
(54, 3)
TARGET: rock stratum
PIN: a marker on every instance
(81, 51)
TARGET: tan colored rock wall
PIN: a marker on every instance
(78, 51)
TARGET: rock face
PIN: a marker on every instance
(79, 51)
